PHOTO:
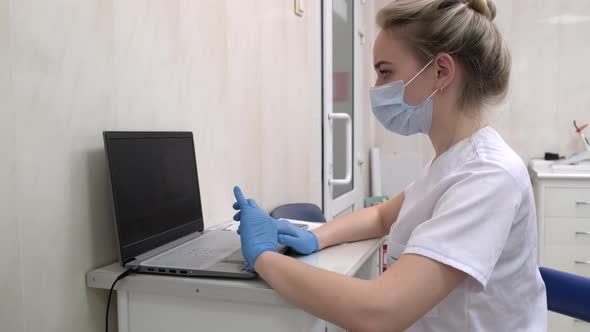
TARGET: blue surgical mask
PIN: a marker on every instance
(387, 103)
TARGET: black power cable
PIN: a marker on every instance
(121, 276)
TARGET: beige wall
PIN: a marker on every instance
(11, 301)
(244, 76)
(549, 84)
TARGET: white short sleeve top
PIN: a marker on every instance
(473, 209)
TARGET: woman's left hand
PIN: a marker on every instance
(258, 230)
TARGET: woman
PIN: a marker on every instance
(462, 237)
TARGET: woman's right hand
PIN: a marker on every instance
(301, 240)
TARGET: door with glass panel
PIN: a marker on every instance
(342, 183)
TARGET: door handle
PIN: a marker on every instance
(348, 178)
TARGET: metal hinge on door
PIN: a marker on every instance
(362, 37)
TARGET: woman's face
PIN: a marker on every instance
(394, 61)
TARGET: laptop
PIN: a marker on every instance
(157, 208)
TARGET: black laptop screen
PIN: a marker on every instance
(155, 189)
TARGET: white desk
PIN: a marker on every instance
(172, 303)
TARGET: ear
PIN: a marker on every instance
(445, 70)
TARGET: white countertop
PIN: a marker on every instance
(345, 259)
(545, 169)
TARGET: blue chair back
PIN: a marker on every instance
(299, 211)
(567, 293)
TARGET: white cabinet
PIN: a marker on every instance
(563, 216)
(153, 303)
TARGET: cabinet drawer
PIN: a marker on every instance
(567, 202)
(567, 259)
(568, 232)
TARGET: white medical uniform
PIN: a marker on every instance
(473, 209)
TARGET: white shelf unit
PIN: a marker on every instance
(563, 221)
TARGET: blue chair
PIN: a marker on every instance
(299, 211)
(567, 293)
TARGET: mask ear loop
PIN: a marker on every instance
(432, 94)
(420, 72)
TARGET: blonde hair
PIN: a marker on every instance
(463, 29)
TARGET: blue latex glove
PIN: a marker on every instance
(301, 240)
(258, 231)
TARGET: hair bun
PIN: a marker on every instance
(486, 8)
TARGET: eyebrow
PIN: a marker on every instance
(382, 62)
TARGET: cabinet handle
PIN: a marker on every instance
(582, 233)
(582, 203)
(582, 262)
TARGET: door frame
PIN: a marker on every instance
(354, 198)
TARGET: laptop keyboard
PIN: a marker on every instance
(200, 253)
